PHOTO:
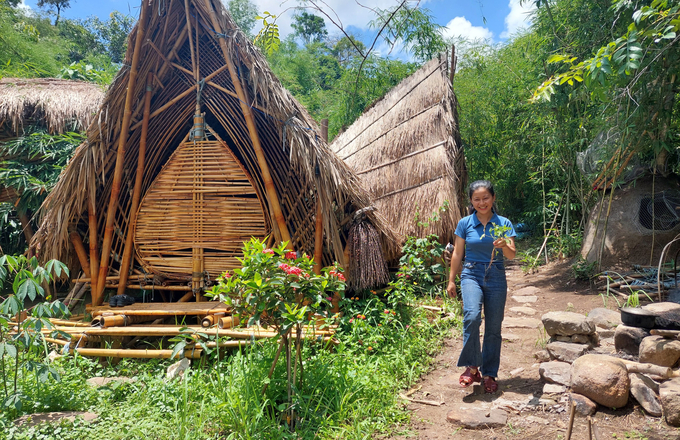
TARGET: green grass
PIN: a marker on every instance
(350, 392)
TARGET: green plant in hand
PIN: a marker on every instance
(498, 231)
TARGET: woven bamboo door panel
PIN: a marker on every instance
(201, 204)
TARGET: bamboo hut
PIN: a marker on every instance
(196, 148)
(407, 150)
(55, 105)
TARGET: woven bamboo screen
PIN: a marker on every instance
(202, 203)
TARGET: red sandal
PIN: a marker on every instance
(468, 378)
(490, 385)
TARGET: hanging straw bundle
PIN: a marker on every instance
(366, 264)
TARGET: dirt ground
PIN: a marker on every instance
(519, 380)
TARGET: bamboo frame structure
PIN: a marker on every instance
(80, 252)
(120, 158)
(267, 136)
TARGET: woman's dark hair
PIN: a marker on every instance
(477, 184)
(474, 186)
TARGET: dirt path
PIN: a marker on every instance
(519, 380)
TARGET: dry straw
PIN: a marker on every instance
(303, 170)
(407, 150)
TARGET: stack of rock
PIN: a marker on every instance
(571, 335)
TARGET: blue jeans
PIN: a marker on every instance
(483, 284)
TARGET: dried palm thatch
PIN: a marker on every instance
(57, 104)
(197, 54)
(407, 150)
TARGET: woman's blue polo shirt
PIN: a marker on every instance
(478, 239)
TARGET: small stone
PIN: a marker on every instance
(105, 381)
(177, 369)
(584, 406)
(566, 351)
(471, 417)
(560, 338)
(527, 291)
(642, 388)
(516, 371)
(669, 393)
(658, 350)
(556, 372)
(605, 318)
(523, 310)
(542, 356)
(53, 356)
(552, 388)
(53, 417)
(521, 323)
(606, 333)
(525, 299)
(604, 379)
(627, 339)
(567, 324)
(580, 339)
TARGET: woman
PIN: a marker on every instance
(482, 282)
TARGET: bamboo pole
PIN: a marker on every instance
(77, 243)
(252, 130)
(26, 225)
(120, 158)
(134, 353)
(136, 194)
(92, 223)
(318, 236)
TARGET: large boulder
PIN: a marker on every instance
(566, 351)
(669, 392)
(642, 389)
(604, 318)
(658, 350)
(567, 324)
(627, 339)
(555, 372)
(603, 379)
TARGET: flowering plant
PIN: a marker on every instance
(277, 287)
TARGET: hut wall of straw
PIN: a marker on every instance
(57, 104)
(407, 150)
(180, 47)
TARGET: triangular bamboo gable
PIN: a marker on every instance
(184, 55)
(202, 199)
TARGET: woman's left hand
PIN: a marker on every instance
(500, 243)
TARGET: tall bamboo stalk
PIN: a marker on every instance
(120, 157)
(318, 236)
(92, 223)
(136, 194)
(77, 243)
(272, 198)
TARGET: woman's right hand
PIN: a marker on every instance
(451, 290)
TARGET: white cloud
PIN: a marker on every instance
(518, 17)
(462, 28)
(24, 6)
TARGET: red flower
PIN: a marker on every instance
(268, 251)
(292, 255)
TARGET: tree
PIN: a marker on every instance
(310, 27)
(243, 12)
(113, 33)
(413, 26)
(55, 4)
(347, 49)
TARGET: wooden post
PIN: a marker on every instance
(252, 130)
(92, 222)
(120, 157)
(80, 251)
(136, 195)
(26, 226)
(318, 237)
(454, 61)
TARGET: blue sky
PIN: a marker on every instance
(493, 20)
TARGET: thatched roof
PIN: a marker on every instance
(407, 150)
(304, 170)
(57, 104)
